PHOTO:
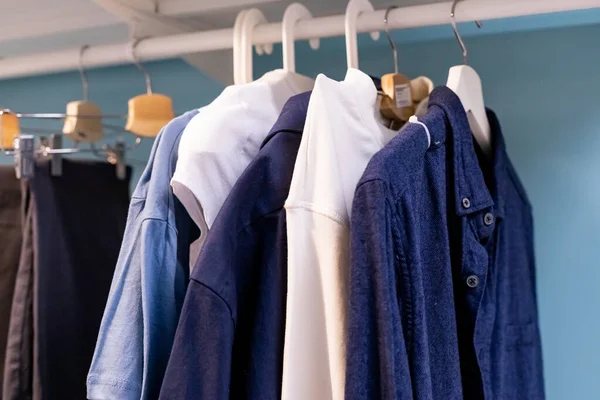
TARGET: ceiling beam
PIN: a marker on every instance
(197, 7)
(33, 26)
(145, 21)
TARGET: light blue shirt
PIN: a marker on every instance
(147, 291)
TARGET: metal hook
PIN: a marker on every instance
(456, 34)
(137, 63)
(389, 37)
(83, 73)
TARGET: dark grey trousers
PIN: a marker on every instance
(11, 233)
(72, 234)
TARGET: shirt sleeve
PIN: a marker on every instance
(377, 361)
(138, 325)
(200, 363)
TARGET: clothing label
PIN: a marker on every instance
(403, 95)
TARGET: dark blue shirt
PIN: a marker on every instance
(229, 342)
(442, 279)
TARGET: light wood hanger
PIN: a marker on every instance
(397, 102)
(83, 118)
(9, 129)
(466, 83)
(147, 113)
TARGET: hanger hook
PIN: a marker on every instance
(83, 73)
(456, 34)
(389, 37)
(137, 63)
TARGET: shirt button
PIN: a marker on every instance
(488, 219)
(473, 281)
(466, 203)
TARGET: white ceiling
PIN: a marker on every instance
(28, 27)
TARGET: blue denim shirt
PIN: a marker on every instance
(442, 279)
(229, 342)
(149, 283)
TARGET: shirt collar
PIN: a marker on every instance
(470, 191)
(292, 116)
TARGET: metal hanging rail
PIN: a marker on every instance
(204, 41)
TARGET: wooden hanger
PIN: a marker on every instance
(83, 118)
(397, 102)
(147, 113)
(466, 83)
(9, 129)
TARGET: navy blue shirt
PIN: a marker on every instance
(442, 278)
(229, 342)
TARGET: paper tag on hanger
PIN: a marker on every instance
(403, 95)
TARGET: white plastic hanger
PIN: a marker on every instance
(466, 83)
(239, 59)
(293, 13)
(237, 48)
(245, 23)
(353, 10)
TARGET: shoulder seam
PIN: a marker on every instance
(258, 218)
(324, 211)
(218, 296)
(159, 220)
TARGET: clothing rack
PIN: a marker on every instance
(177, 45)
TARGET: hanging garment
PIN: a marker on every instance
(19, 381)
(149, 283)
(11, 232)
(229, 341)
(220, 142)
(73, 230)
(343, 130)
(442, 280)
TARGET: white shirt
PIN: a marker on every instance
(343, 131)
(223, 138)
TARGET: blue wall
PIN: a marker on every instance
(544, 86)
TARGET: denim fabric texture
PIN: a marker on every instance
(229, 342)
(442, 298)
(148, 287)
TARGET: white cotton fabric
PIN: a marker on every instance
(343, 131)
(219, 143)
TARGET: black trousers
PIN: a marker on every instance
(72, 233)
(10, 248)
